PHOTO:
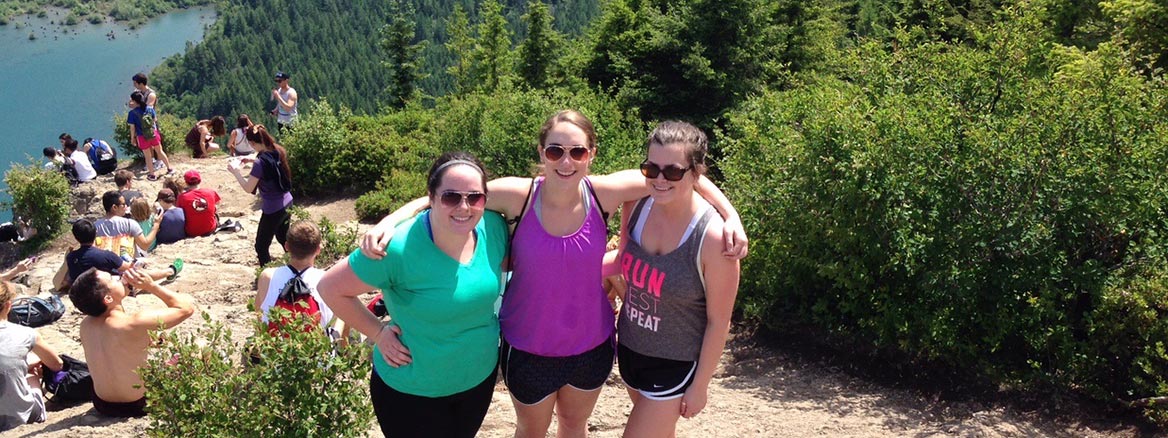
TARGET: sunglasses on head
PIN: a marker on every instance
(452, 199)
(671, 172)
(555, 153)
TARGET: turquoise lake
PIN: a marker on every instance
(75, 79)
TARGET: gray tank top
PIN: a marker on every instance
(664, 314)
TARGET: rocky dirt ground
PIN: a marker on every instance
(758, 391)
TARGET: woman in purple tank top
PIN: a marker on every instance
(675, 314)
(556, 322)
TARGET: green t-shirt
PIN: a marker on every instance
(446, 310)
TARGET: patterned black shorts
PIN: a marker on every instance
(531, 378)
(654, 377)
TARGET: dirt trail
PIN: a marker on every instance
(757, 391)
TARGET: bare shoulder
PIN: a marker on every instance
(714, 239)
(508, 194)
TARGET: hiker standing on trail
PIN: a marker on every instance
(270, 175)
(286, 101)
(434, 364)
(676, 311)
(140, 84)
(552, 365)
(144, 133)
(20, 382)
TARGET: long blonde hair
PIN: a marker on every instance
(7, 293)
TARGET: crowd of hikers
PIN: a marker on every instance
(514, 277)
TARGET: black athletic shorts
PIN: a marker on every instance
(531, 378)
(655, 378)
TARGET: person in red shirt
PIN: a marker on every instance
(198, 204)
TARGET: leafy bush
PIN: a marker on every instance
(173, 128)
(399, 188)
(997, 207)
(196, 387)
(40, 195)
(332, 150)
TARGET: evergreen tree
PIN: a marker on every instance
(460, 44)
(492, 63)
(690, 59)
(538, 50)
(401, 55)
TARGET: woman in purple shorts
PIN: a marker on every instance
(676, 311)
(556, 321)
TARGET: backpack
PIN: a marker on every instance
(273, 171)
(147, 124)
(71, 384)
(296, 298)
(36, 311)
(103, 157)
(70, 171)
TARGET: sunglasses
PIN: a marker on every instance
(452, 199)
(671, 172)
(555, 153)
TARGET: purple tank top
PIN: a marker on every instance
(555, 304)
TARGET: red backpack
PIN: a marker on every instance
(296, 298)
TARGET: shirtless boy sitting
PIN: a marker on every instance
(116, 342)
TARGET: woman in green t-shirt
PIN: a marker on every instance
(434, 365)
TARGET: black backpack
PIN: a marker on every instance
(272, 170)
(71, 384)
(36, 311)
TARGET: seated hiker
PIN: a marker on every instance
(20, 382)
(61, 163)
(88, 256)
(79, 160)
(116, 342)
(199, 206)
(124, 179)
(16, 231)
(117, 233)
(172, 223)
(272, 289)
(146, 217)
(103, 157)
(200, 137)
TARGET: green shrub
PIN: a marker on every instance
(397, 189)
(996, 207)
(196, 385)
(174, 130)
(40, 195)
(332, 150)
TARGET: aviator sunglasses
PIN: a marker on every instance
(671, 172)
(452, 198)
(554, 153)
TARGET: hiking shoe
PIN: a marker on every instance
(177, 267)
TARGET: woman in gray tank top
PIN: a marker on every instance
(676, 311)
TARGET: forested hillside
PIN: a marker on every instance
(330, 47)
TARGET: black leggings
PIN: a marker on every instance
(454, 416)
(271, 224)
